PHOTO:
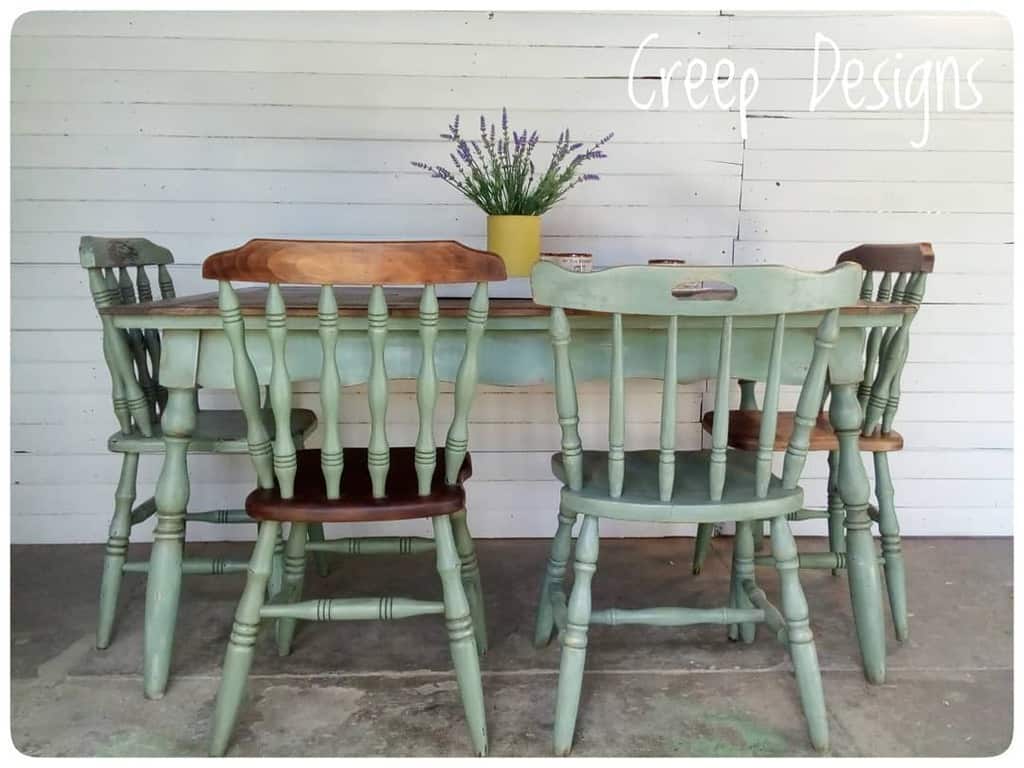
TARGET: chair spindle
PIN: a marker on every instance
(331, 454)
(379, 454)
(285, 463)
(667, 454)
(426, 391)
(616, 414)
(457, 442)
(720, 432)
(565, 400)
(770, 413)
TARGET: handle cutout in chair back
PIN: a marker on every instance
(704, 290)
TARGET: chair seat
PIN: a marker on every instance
(402, 502)
(690, 502)
(215, 432)
(745, 431)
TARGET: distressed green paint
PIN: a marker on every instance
(426, 392)
(470, 572)
(238, 657)
(379, 458)
(117, 548)
(798, 633)
(892, 550)
(574, 640)
(566, 403)
(720, 433)
(770, 413)
(809, 401)
(246, 386)
(163, 587)
(459, 623)
(862, 559)
(291, 589)
(836, 511)
(616, 413)
(669, 385)
(554, 577)
(331, 456)
(285, 463)
(457, 442)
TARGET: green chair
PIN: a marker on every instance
(670, 486)
(902, 271)
(372, 484)
(133, 360)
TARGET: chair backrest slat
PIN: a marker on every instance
(426, 391)
(332, 460)
(246, 386)
(616, 413)
(720, 431)
(669, 387)
(457, 442)
(132, 355)
(770, 414)
(701, 292)
(809, 403)
(285, 463)
(885, 353)
(374, 264)
(566, 403)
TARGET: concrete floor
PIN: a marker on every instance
(386, 689)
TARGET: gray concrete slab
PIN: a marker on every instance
(375, 689)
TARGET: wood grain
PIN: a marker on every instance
(903, 257)
(328, 262)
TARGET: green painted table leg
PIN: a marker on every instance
(892, 551)
(574, 640)
(471, 578)
(459, 623)
(117, 548)
(238, 657)
(861, 554)
(701, 545)
(163, 585)
(554, 576)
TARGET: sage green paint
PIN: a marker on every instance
(708, 487)
(516, 350)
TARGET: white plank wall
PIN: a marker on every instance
(202, 130)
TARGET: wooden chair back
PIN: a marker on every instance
(133, 355)
(902, 271)
(707, 292)
(375, 264)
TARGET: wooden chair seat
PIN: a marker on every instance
(745, 430)
(690, 492)
(357, 504)
(216, 432)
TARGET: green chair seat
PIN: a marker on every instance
(216, 432)
(690, 494)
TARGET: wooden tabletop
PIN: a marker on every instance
(301, 301)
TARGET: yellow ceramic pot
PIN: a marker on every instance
(517, 240)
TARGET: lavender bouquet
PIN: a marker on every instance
(498, 172)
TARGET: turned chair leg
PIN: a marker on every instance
(471, 578)
(799, 635)
(291, 590)
(836, 510)
(276, 581)
(459, 623)
(701, 545)
(742, 570)
(889, 527)
(117, 548)
(554, 576)
(574, 640)
(315, 532)
(238, 657)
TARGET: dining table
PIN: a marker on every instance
(516, 351)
